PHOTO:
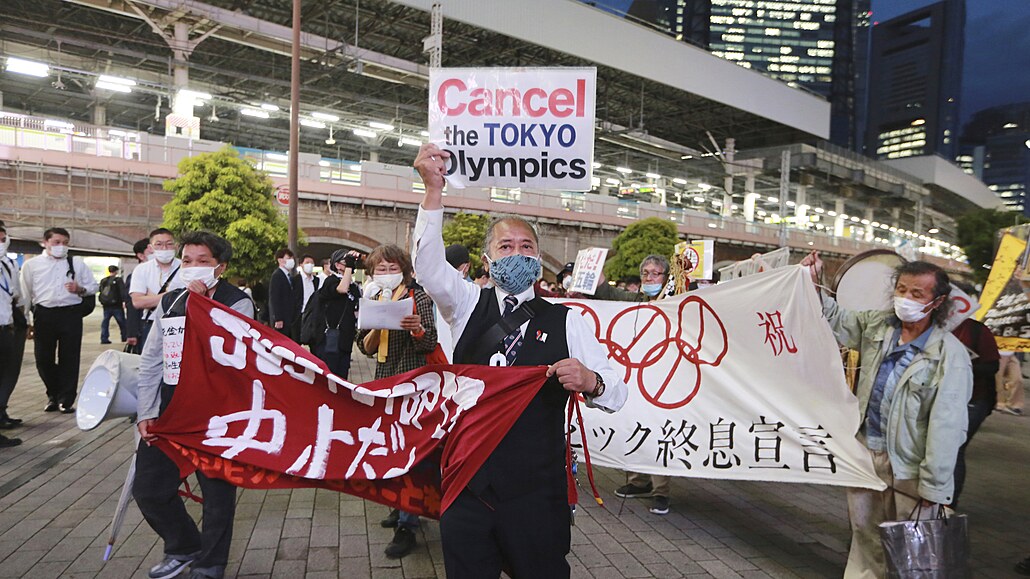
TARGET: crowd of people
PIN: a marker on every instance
(921, 405)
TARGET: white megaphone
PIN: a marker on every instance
(109, 390)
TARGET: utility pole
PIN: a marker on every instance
(294, 152)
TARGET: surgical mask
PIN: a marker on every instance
(3, 246)
(515, 273)
(59, 251)
(290, 263)
(389, 281)
(566, 282)
(651, 289)
(205, 274)
(308, 268)
(164, 256)
(909, 311)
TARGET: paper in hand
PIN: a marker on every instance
(377, 315)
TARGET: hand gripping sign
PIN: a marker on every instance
(515, 127)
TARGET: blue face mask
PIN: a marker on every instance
(515, 273)
(651, 289)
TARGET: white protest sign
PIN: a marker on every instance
(173, 331)
(515, 127)
(739, 381)
(587, 271)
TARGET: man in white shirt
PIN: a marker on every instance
(13, 328)
(154, 278)
(54, 284)
(515, 509)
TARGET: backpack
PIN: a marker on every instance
(110, 292)
(313, 323)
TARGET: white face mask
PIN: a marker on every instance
(164, 256)
(909, 311)
(59, 251)
(389, 281)
(308, 268)
(4, 245)
(290, 263)
(205, 274)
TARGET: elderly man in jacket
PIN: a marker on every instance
(913, 390)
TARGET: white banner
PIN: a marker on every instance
(739, 381)
(515, 127)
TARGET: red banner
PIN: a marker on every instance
(257, 410)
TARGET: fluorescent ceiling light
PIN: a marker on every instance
(113, 86)
(323, 163)
(679, 181)
(820, 210)
(202, 96)
(596, 165)
(27, 67)
(312, 124)
(407, 141)
(270, 107)
(365, 133)
(325, 117)
(773, 199)
(276, 157)
(254, 113)
(355, 167)
(424, 133)
(652, 175)
(699, 199)
(854, 218)
(934, 230)
(117, 80)
(864, 221)
(884, 226)
(704, 186)
(713, 226)
(611, 181)
(380, 126)
(624, 170)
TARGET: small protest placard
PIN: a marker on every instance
(515, 127)
(587, 272)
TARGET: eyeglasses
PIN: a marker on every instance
(646, 274)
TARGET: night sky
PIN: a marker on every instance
(996, 69)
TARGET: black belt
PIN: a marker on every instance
(56, 308)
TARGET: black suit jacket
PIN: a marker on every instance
(298, 293)
(281, 305)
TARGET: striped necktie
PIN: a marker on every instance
(514, 340)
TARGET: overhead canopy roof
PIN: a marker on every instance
(945, 178)
(363, 61)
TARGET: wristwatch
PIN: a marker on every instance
(598, 388)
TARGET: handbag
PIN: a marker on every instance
(936, 548)
(437, 356)
(89, 301)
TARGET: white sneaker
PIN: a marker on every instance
(169, 567)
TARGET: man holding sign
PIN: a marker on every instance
(204, 258)
(515, 509)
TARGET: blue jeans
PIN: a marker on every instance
(116, 312)
(979, 410)
(408, 520)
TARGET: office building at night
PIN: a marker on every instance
(915, 79)
(996, 149)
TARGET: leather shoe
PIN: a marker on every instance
(51, 407)
(6, 442)
(67, 409)
(11, 421)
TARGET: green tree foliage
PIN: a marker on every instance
(640, 239)
(467, 229)
(977, 234)
(222, 193)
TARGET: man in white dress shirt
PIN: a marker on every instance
(54, 284)
(152, 279)
(12, 334)
(514, 513)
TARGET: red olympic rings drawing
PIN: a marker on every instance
(653, 338)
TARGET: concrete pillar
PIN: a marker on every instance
(749, 197)
(99, 115)
(869, 230)
(373, 156)
(838, 221)
(801, 209)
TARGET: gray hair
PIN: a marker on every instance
(508, 219)
(658, 260)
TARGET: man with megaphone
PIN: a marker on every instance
(205, 257)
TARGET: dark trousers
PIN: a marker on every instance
(58, 345)
(338, 362)
(528, 535)
(118, 314)
(979, 410)
(156, 492)
(12, 350)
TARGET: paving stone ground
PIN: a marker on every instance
(58, 491)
